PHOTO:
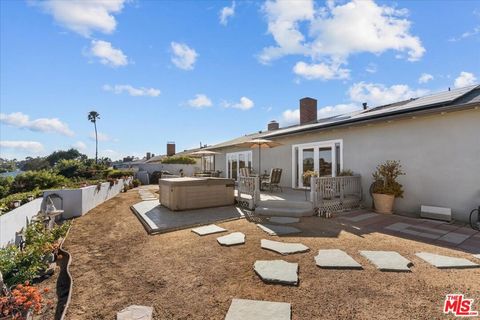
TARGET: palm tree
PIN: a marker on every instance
(92, 117)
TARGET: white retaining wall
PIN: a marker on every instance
(76, 202)
(15, 220)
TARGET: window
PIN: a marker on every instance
(323, 157)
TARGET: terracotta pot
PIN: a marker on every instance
(383, 203)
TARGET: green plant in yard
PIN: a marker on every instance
(179, 160)
(345, 173)
(70, 168)
(42, 179)
(385, 179)
(117, 174)
(18, 266)
(136, 183)
(5, 186)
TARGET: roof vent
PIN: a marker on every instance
(365, 106)
(273, 125)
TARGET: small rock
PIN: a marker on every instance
(135, 312)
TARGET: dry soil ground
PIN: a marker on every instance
(184, 276)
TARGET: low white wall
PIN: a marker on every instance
(77, 202)
(13, 221)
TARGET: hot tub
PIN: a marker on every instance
(195, 193)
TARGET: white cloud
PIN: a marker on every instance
(284, 18)
(183, 57)
(107, 54)
(32, 146)
(425, 77)
(290, 117)
(200, 101)
(330, 111)
(320, 71)
(371, 68)
(466, 34)
(378, 94)
(101, 136)
(84, 17)
(79, 145)
(465, 79)
(226, 13)
(244, 104)
(335, 32)
(136, 92)
(20, 120)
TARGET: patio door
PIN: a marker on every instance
(236, 161)
(324, 158)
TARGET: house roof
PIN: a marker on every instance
(447, 99)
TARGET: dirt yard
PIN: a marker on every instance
(184, 276)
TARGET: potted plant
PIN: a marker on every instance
(307, 175)
(385, 187)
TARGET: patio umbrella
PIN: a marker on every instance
(260, 144)
(202, 154)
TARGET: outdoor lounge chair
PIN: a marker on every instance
(273, 180)
(244, 172)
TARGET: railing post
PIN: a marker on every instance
(313, 191)
(342, 188)
(256, 191)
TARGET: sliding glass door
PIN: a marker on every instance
(236, 161)
(323, 158)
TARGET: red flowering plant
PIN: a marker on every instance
(21, 300)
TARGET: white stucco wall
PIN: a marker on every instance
(439, 153)
(13, 221)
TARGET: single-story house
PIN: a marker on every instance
(435, 137)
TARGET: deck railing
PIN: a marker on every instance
(248, 191)
(332, 194)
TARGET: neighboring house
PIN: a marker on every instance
(436, 138)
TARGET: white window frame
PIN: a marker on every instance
(248, 156)
(315, 146)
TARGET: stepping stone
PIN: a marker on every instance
(477, 256)
(446, 262)
(135, 312)
(283, 248)
(242, 309)
(210, 229)
(277, 271)
(387, 260)
(232, 239)
(335, 259)
(283, 220)
(275, 230)
(361, 217)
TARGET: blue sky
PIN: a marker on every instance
(200, 71)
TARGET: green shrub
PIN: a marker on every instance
(70, 168)
(5, 186)
(345, 173)
(136, 183)
(18, 265)
(178, 160)
(42, 179)
(117, 174)
(385, 179)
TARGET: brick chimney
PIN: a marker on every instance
(308, 110)
(273, 125)
(170, 148)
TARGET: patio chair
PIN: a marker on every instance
(244, 172)
(273, 180)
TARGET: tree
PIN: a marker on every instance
(34, 164)
(92, 117)
(70, 154)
